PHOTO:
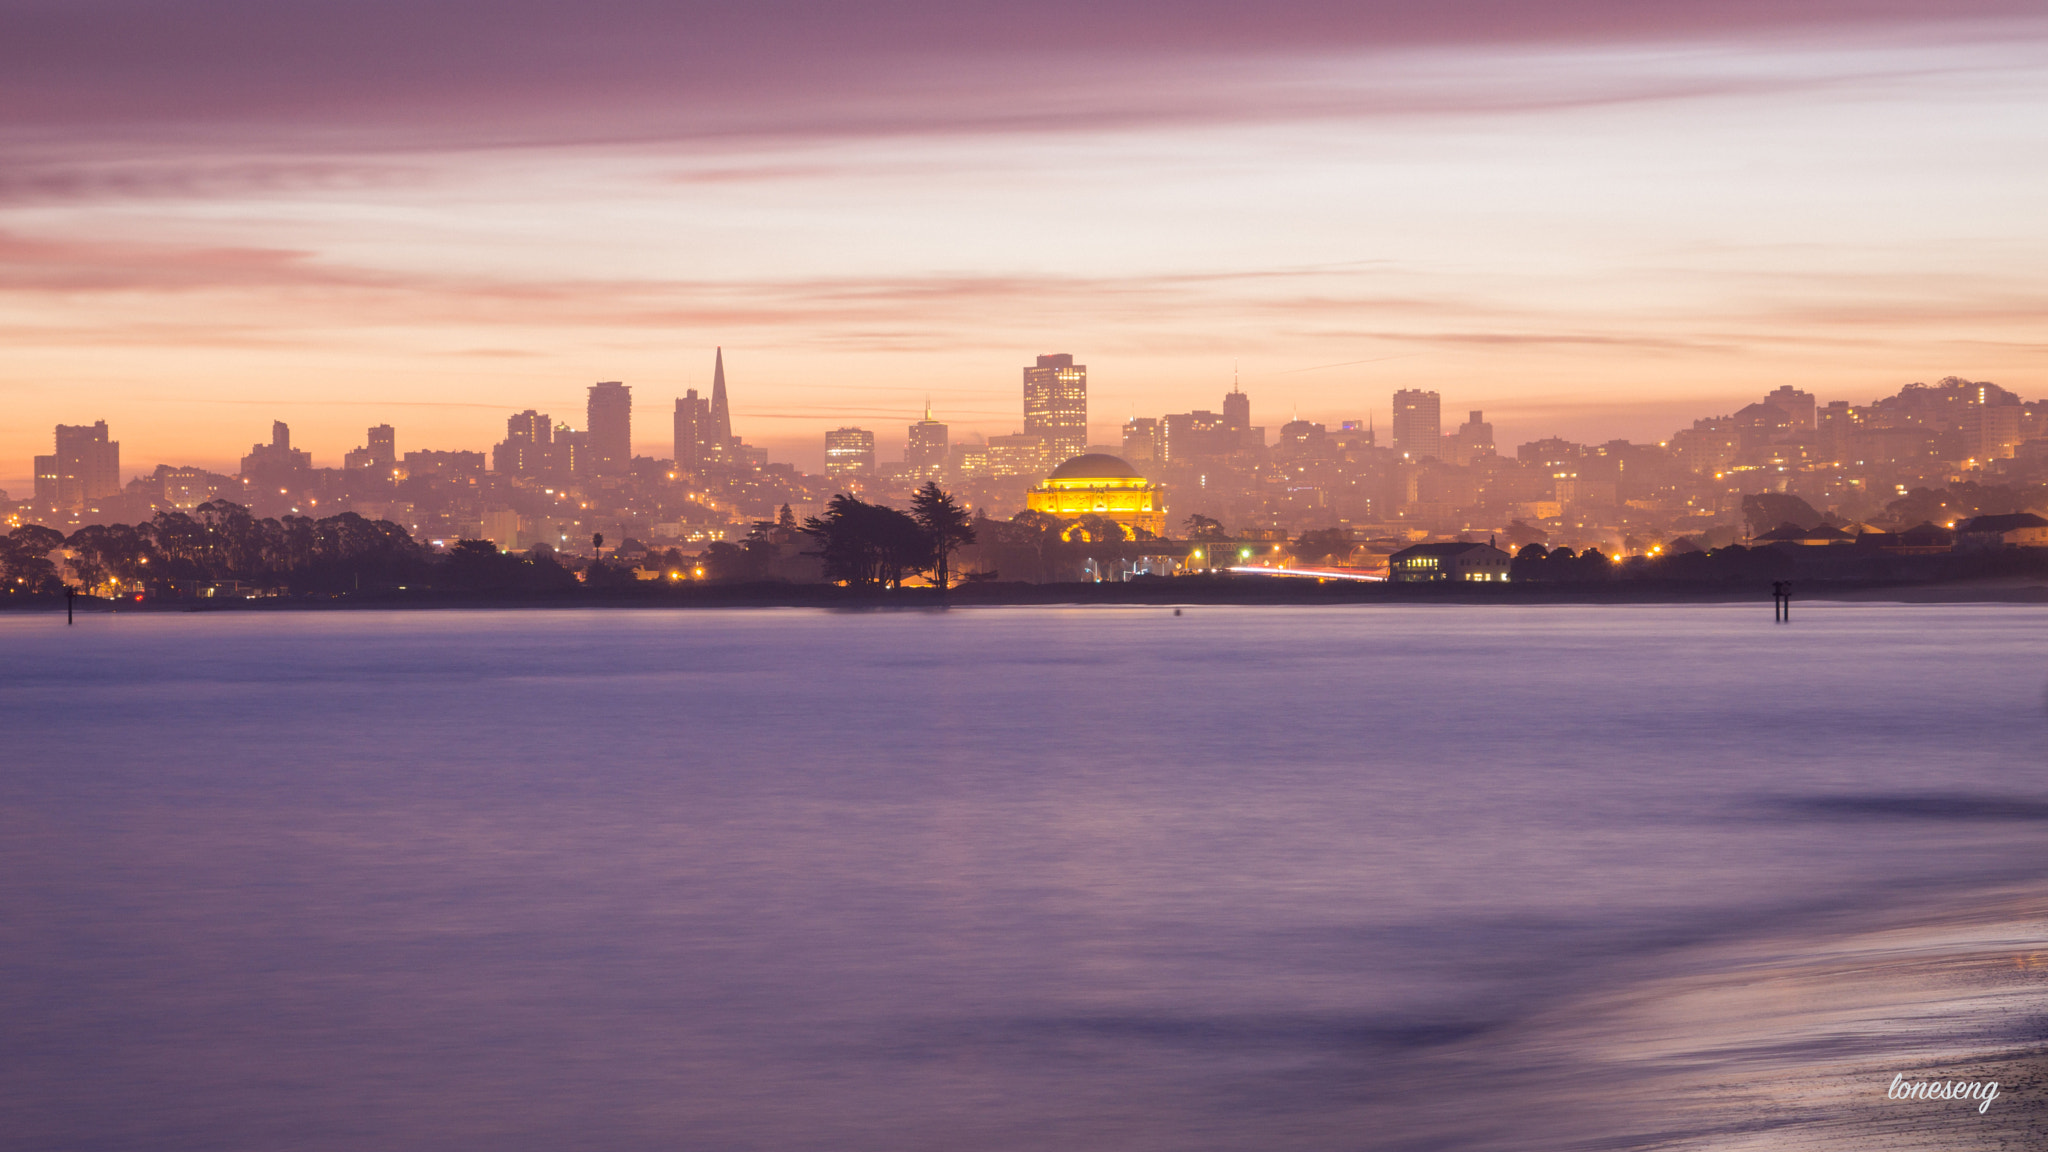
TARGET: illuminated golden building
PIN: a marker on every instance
(1098, 484)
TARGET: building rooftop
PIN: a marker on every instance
(1441, 551)
(2005, 523)
(1096, 466)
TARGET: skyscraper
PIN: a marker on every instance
(277, 460)
(379, 454)
(1141, 440)
(1469, 441)
(1237, 409)
(925, 451)
(849, 452)
(693, 431)
(1796, 404)
(529, 441)
(383, 445)
(611, 428)
(721, 415)
(1185, 437)
(1418, 424)
(1237, 420)
(86, 466)
(1056, 405)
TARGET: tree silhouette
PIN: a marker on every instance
(25, 559)
(862, 543)
(1097, 529)
(946, 526)
(1321, 544)
(1202, 527)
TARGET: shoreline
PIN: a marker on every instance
(1787, 1042)
(1175, 592)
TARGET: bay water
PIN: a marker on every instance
(1030, 879)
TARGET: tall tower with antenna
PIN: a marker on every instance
(926, 448)
(1237, 407)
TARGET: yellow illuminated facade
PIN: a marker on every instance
(1100, 485)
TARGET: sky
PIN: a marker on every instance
(1590, 218)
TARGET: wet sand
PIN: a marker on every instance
(1790, 1042)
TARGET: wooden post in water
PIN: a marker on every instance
(70, 599)
(1781, 601)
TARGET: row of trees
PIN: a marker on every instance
(871, 544)
(222, 543)
(219, 542)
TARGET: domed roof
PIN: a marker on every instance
(1096, 466)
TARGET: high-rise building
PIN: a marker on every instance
(1056, 405)
(571, 455)
(46, 479)
(1469, 441)
(1237, 421)
(86, 466)
(1141, 440)
(1992, 431)
(693, 431)
(968, 460)
(383, 445)
(611, 428)
(188, 488)
(1237, 409)
(1418, 424)
(277, 460)
(849, 452)
(1018, 454)
(528, 446)
(721, 415)
(380, 453)
(924, 453)
(1796, 404)
(1185, 437)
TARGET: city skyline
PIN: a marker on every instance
(1073, 575)
(652, 437)
(1602, 212)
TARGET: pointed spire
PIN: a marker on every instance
(927, 409)
(721, 416)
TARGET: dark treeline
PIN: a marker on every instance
(218, 543)
(222, 545)
(1735, 564)
(870, 544)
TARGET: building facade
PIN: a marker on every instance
(1019, 454)
(277, 460)
(85, 467)
(693, 431)
(1427, 563)
(1418, 424)
(1185, 437)
(1469, 441)
(925, 449)
(1056, 404)
(379, 452)
(610, 425)
(1141, 439)
(528, 447)
(1100, 485)
(849, 452)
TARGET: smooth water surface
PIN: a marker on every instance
(1078, 879)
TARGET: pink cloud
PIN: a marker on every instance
(377, 72)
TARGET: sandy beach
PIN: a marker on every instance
(1790, 1041)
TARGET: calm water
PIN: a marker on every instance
(988, 879)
